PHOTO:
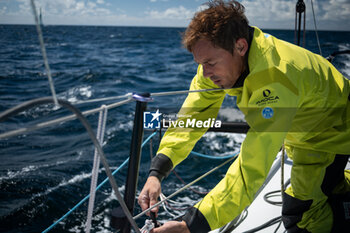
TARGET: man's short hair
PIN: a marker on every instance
(221, 22)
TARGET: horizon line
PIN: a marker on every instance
(153, 26)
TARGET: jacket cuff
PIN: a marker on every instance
(161, 166)
(196, 221)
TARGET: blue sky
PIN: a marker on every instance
(330, 14)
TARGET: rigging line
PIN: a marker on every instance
(98, 187)
(186, 91)
(282, 171)
(304, 30)
(43, 51)
(87, 126)
(58, 120)
(185, 187)
(94, 173)
(318, 41)
(127, 95)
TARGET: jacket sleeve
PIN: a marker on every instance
(269, 124)
(178, 142)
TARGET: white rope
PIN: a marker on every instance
(318, 41)
(162, 197)
(127, 95)
(167, 93)
(43, 51)
(100, 135)
(149, 225)
(185, 91)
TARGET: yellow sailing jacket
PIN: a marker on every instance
(290, 95)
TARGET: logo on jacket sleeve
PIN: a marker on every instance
(267, 113)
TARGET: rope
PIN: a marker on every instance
(98, 187)
(100, 135)
(304, 29)
(211, 156)
(185, 187)
(318, 41)
(282, 170)
(148, 226)
(127, 95)
(185, 91)
(43, 51)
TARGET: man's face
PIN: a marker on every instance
(222, 67)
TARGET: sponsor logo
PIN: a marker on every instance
(266, 93)
(267, 113)
(151, 120)
(268, 98)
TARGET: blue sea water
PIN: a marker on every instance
(43, 174)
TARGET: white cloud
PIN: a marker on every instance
(171, 13)
(65, 8)
(3, 10)
(159, 0)
(268, 12)
(336, 9)
(281, 13)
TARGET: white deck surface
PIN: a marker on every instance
(259, 212)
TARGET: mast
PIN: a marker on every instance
(41, 18)
(299, 10)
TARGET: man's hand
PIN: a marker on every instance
(172, 227)
(149, 194)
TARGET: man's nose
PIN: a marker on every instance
(207, 71)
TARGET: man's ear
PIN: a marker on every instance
(241, 46)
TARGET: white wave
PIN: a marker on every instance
(120, 126)
(75, 94)
(214, 140)
(345, 60)
(30, 168)
(73, 180)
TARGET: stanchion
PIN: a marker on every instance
(118, 219)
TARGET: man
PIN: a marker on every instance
(288, 95)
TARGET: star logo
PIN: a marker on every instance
(151, 120)
(156, 115)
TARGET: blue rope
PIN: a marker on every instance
(213, 157)
(97, 188)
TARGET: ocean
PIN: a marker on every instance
(45, 173)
